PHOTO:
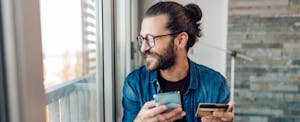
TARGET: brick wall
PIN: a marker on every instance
(267, 89)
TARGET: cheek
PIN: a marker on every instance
(162, 49)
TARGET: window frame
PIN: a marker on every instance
(100, 64)
(4, 113)
(108, 60)
(126, 12)
(23, 57)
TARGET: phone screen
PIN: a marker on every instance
(171, 99)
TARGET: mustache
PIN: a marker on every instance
(146, 53)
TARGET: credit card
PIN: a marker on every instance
(206, 109)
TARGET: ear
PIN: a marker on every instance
(182, 40)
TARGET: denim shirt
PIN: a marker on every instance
(206, 86)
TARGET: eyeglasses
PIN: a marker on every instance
(150, 39)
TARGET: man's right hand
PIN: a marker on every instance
(152, 113)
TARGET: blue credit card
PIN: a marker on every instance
(171, 99)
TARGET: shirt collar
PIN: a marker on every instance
(194, 75)
(153, 76)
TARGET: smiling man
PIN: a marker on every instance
(168, 30)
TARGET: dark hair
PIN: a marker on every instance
(181, 18)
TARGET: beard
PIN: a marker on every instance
(163, 61)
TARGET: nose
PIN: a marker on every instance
(144, 47)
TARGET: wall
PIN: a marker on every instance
(267, 89)
(214, 25)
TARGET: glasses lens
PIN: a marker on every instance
(140, 40)
(150, 40)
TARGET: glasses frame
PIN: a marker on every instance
(140, 39)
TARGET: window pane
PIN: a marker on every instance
(62, 40)
(69, 36)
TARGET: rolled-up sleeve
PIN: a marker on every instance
(130, 102)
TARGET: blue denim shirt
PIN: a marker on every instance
(206, 86)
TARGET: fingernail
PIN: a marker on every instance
(183, 114)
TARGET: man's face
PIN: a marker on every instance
(162, 55)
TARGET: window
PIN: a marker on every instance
(70, 31)
(62, 40)
(64, 50)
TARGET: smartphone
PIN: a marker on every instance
(171, 99)
(206, 109)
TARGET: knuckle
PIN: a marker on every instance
(147, 103)
(151, 114)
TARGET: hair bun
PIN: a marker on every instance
(194, 12)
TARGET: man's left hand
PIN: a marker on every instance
(217, 116)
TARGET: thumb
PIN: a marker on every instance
(230, 107)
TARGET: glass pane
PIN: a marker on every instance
(62, 40)
(69, 36)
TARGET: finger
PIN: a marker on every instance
(224, 116)
(230, 107)
(203, 119)
(155, 111)
(171, 114)
(228, 118)
(178, 116)
(206, 119)
(210, 119)
(214, 119)
(149, 105)
(153, 119)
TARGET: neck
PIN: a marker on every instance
(177, 72)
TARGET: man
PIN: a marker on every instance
(168, 30)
